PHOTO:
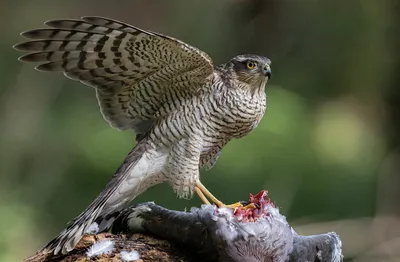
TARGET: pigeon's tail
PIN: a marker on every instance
(125, 185)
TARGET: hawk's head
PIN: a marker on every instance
(251, 70)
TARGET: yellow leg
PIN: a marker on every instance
(208, 194)
(201, 195)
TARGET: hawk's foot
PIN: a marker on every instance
(203, 193)
(242, 205)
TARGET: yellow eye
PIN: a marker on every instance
(250, 65)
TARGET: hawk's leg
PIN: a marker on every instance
(202, 196)
(184, 173)
(202, 192)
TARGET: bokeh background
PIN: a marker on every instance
(327, 149)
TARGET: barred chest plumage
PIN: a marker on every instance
(235, 112)
(225, 115)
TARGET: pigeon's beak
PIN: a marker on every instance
(267, 71)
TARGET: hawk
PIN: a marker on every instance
(183, 109)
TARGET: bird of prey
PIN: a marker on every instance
(182, 108)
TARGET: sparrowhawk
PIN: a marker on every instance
(182, 108)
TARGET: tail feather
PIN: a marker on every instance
(70, 236)
(125, 185)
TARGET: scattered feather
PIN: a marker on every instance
(103, 247)
(129, 255)
(93, 229)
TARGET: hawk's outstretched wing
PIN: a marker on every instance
(134, 71)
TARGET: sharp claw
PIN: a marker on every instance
(248, 204)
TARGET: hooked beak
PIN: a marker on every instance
(267, 71)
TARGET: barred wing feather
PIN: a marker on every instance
(135, 72)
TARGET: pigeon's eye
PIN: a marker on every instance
(251, 65)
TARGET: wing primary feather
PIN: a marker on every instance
(61, 34)
(57, 45)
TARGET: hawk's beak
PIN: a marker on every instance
(267, 71)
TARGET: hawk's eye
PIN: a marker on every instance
(251, 65)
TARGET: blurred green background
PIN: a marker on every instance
(327, 149)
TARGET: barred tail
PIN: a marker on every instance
(125, 185)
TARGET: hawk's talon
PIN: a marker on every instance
(241, 204)
(235, 205)
(248, 204)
